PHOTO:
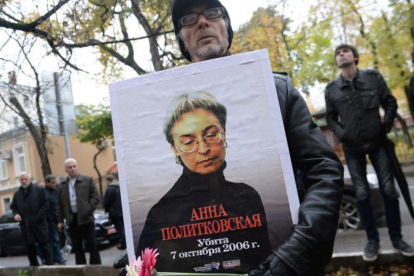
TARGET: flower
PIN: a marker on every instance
(144, 265)
(149, 259)
(134, 266)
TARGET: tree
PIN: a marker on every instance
(26, 101)
(304, 53)
(109, 25)
(95, 125)
(42, 30)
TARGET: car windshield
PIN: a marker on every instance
(7, 218)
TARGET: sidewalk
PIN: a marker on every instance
(349, 247)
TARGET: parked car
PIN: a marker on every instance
(349, 218)
(11, 242)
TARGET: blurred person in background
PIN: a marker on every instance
(113, 206)
(410, 88)
(51, 193)
(29, 208)
(77, 198)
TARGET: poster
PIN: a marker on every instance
(204, 166)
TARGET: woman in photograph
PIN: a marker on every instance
(204, 223)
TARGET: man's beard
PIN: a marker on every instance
(211, 51)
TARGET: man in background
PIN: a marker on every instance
(353, 102)
(410, 88)
(77, 199)
(113, 206)
(51, 194)
(29, 207)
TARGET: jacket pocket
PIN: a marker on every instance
(370, 99)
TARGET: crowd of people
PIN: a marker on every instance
(44, 212)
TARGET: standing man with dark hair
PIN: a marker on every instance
(29, 207)
(352, 112)
(204, 32)
(51, 194)
(113, 206)
(77, 199)
(410, 88)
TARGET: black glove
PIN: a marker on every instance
(272, 266)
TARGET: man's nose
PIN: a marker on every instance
(202, 22)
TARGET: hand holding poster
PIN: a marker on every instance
(204, 167)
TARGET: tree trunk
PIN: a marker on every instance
(97, 170)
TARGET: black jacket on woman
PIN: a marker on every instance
(31, 204)
(208, 200)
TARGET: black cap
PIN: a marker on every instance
(179, 6)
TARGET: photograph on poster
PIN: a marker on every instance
(203, 163)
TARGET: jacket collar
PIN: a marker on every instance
(359, 80)
(50, 189)
(28, 187)
(114, 183)
(78, 178)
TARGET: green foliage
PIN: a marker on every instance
(23, 273)
(306, 51)
(95, 124)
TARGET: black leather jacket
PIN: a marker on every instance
(410, 92)
(357, 104)
(310, 247)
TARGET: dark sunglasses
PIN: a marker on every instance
(192, 18)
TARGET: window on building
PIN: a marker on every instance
(6, 204)
(3, 169)
(19, 160)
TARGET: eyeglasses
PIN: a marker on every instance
(191, 19)
(210, 138)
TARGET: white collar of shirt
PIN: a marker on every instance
(72, 182)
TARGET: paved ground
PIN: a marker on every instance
(349, 246)
(108, 254)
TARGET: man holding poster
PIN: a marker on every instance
(204, 32)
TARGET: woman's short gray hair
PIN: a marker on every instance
(188, 102)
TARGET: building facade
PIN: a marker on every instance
(18, 153)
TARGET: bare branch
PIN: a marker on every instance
(47, 15)
(95, 42)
